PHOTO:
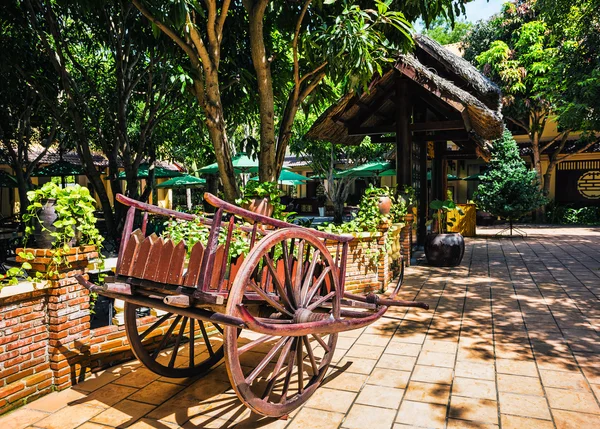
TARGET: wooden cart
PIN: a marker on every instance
(274, 313)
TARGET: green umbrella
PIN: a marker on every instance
(7, 180)
(159, 172)
(324, 176)
(241, 164)
(186, 181)
(449, 177)
(473, 177)
(59, 169)
(289, 178)
(370, 169)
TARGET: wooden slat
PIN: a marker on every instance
(153, 259)
(164, 263)
(193, 271)
(132, 248)
(139, 266)
(175, 276)
(235, 267)
(216, 267)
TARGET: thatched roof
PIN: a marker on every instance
(447, 85)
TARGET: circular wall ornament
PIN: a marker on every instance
(588, 185)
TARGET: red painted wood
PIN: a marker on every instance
(175, 276)
(235, 267)
(193, 271)
(151, 270)
(216, 267)
(131, 249)
(139, 266)
(164, 263)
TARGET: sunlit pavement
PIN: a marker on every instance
(511, 341)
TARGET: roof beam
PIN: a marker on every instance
(368, 131)
(437, 126)
(445, 136)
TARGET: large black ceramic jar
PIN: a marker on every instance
(444, 250)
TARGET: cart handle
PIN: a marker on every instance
(247, 214)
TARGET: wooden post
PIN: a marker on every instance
(423, 198)
(438, 173)
(403, 134)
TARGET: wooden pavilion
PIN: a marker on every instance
(431, 95)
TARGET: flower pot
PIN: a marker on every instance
(322, 211)
(444, 250)
(385, 205)
(409, 218)
(47, 215)
(261, 206)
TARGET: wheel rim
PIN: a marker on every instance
(173, 354)
(273, 375)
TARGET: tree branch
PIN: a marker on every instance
(221, 21)
(519, 123)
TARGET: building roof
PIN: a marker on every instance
(448, 87)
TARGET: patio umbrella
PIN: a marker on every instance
(289, 178)
(449, 177)
(241, 164)
(323, 176)
(7, 180)
(473, 177)
(370, 169)
(59, 169)
(186, 181)
(159, 172)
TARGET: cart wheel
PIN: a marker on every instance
(273, 375)
(174, 354)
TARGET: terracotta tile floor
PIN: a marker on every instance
(511, 340)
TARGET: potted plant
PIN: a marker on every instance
(262, 198)
(443, 248)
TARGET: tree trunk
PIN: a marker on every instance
(267, 171)
(537, 165)
(338, 211)
(23, 188)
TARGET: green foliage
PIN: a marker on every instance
(445, 33)
(197, 231)
(269, 190)
(75, 210)
(559, 214)
(507, 188)
(442, 211)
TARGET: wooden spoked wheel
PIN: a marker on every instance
(174, 346)
(293, 277)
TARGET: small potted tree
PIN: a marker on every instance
(443, 248)
(262, 198)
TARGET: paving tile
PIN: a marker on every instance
(389, 378)
(519, 384)
(345, 381)
(380, 396)
(21, 418)
(373, 340)
(516, 367)
(397, 362)
(440, 346)
(524, 405)
(481, 410)
(431, 358)
(364, 351)
(56, 400)
(516, 422)
(338, 401)
(362, 416)
(571, 420)
(357, 365)
(123, 414)
(317, 419)
(146, 423)
(473, 388)
(139, 378)
(156, 392)
(564, 380)
(396, 347)
(465, 424)
(69, 418)
(475, 370)
(572, 400)
(431, 374)
(427, 392)
(107, 396)
(422, 414)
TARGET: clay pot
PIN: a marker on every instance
(385, 205)
(261, 206)
(444, 250)
(47, 215)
